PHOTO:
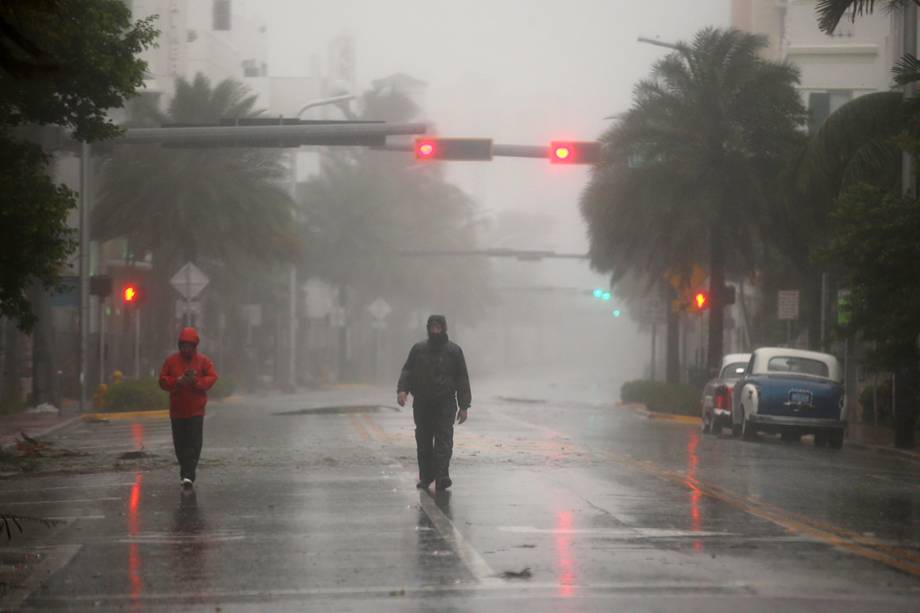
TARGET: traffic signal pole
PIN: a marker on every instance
(85, 202)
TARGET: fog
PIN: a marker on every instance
(519, 72)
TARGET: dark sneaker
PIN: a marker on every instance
(443, 484)
(423, 485)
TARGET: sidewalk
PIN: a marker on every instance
(880, 439)
(33, 425)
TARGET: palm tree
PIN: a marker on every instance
(711, 131)
(830, 12)
(222, 208)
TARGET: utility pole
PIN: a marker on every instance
(85, 200)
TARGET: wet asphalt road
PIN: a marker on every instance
(304, 505)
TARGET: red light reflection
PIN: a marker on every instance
(695, 493)
(134, 557)
(563, 550)
(137, 433)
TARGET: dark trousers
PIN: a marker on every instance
(188, 434)
(434, 440)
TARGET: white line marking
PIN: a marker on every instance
(622, 533)
(56, 559)
(65, 487)
(61, 501)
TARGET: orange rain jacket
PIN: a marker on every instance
(187, 400)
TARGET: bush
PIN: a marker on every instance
(663, 397)
(224, 387)
(136, 395)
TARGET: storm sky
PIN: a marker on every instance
(518, 71)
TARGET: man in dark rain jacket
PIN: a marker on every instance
(436, 376)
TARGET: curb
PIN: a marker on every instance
(50, 429)
(883, 450)
(125, 415)
(641, 409)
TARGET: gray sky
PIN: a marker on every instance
(518, 71)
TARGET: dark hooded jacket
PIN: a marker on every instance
(435, 371)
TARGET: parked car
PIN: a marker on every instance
(792, 392)
(716, 404)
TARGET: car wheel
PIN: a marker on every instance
(821, 438)
(835, 438)
(708, 426)
(747, 429)
(790, 436)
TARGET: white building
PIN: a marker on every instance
(855, 60)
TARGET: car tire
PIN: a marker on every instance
(835, 438)
(747, 429)
(821, 438)
(790, 436)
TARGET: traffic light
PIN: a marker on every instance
(700, 301)
(131, 294)
(459, 149)
(598, 293)
(574, 152)
(617, 312)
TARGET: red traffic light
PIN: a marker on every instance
(424, 149)
(700, 301)
(131, 294)
(574, 152)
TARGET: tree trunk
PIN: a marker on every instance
(10, 381)
(672, 339)
(42, 348)
(716, 298)
(907, 379)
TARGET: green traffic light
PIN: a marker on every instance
(617, 312)
(606, 296)
(598, 293)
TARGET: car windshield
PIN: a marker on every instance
(804, 366)
(733, 370)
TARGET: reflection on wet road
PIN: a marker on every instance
(556, 507)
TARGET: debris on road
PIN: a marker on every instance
(521, 574)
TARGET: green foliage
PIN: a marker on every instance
(65, 63)
(136, 395)
(867, 399)
(663, 397)
(874, 242)
(695, 160)
(33, 227)
(830, 12)
(219, 205)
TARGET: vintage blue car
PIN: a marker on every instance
(791, 392)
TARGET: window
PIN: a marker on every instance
(733, 370)
(802, 366)
(221, 10)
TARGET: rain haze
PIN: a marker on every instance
(514, 306)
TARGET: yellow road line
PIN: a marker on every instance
(157, 413)
(356, 424)
(826, 533)
(375, 428)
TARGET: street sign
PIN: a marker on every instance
(189, 281)
(380, 309)
(787, 305)
(190, 307)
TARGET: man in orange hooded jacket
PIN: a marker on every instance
(187, 375)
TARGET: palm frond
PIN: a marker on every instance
(831, 12)
(907, 70)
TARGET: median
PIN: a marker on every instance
(658, 400)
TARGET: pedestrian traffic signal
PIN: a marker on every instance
(131, 294)
(574, 152)
(459, 149)
(700, 301)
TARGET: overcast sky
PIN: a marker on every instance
(518, 71)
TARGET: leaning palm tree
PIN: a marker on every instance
(710, 131)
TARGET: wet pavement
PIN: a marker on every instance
(561, 502)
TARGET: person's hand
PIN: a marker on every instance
(462, 415)
(401, 398)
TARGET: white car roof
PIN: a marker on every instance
(731, 358)
(765, 354)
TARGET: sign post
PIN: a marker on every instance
(189, 281)
(787, 309)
